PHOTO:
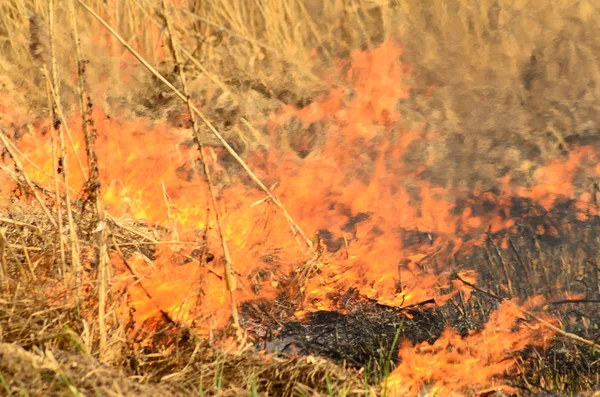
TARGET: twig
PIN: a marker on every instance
(476, 288)
(16, 223)
(24, 247)
(560, 331)
(296, 230)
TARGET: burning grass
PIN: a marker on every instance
(391, 199)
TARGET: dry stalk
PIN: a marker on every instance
(566, 334)
(39, 51)
(63, 161)
(167, 242)
(59, 213)
(361, 23)
(56, 162)
(16, 223)
(255, 134)
(4, 246)
(230, 279)
(296, 230)
(24, 247)
(8, 145)
(28, 259)
(93, 185)
(234, 22)
(53, 67)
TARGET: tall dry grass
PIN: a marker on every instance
(516, 82)
(509, 82)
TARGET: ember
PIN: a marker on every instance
(289, 241)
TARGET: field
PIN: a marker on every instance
(299, 197)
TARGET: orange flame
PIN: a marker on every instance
(355, 191)
(358, 190)
(455, 364)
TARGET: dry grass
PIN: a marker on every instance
(507, 85)
(51, 346)
(515, 82)
(509, 82)
(41, 355)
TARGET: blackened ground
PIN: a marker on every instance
(546, 252)
(370, 335)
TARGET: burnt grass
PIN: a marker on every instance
(366, 336)
(369, 336)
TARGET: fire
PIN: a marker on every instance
(455, 363)
(375, 217)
